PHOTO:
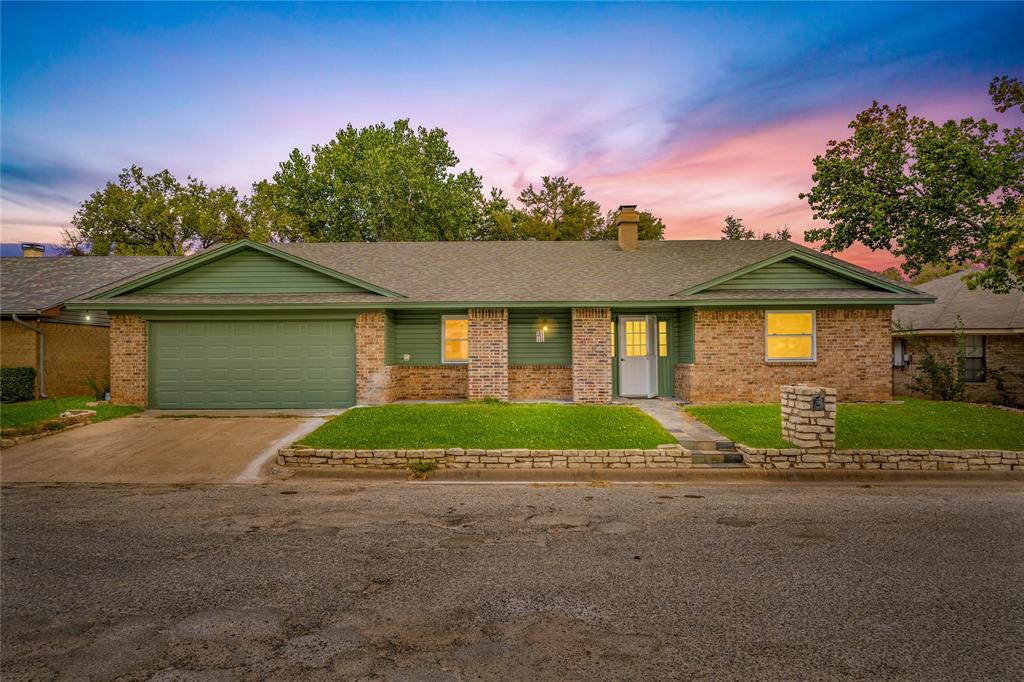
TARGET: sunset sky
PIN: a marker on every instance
(692, 111)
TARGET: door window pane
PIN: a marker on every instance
(636, 338)
(662, 338)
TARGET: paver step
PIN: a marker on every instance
(723, 445)
(717, 457)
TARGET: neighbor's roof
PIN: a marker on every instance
(979, 309)
(534, 271)
(29, 286)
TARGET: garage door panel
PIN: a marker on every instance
(253, 364)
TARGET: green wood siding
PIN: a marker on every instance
(250, 272)
(788, 274)
(252, 364)
(523, 348)
(684, 335)
(416, 333)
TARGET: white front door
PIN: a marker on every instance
(637, 366)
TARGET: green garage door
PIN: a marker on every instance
(293, 363)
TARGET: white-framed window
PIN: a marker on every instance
(790, 336)
(974, 369)
(454, 339)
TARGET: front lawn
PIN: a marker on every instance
(915, 424)
(28, 413)
(490, 426)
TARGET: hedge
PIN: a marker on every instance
(17, 384)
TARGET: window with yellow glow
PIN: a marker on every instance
(789, 336)
(455, 346)
(662, 338)
(613, 338)
(636, 338)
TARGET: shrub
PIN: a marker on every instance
(17, 384)
(421, 469)
(99, 391)
(934, 377)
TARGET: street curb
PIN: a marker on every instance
(662, 475)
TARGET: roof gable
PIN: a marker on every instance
(245, 267)
(796, 269)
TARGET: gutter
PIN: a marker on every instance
(42, 352)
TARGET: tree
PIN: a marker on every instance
(499, 219)
(558, 211)
(734, 229)
(649, 228)
(927, 193)
(1006, 93)
(379, 183)
(893, 273)
(932, 271)
(154, 215)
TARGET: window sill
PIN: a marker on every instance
(790, 363)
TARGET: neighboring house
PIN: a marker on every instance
(994, 336)
(329, 325)
(36, 330)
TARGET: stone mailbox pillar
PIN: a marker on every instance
(809, 421)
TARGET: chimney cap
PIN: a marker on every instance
(32, 248)
(627, 207)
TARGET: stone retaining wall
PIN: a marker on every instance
(912, 460)
(68, 420)
(662, 457)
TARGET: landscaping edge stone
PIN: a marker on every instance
(72, 419)
(663, 457)
(899, 459)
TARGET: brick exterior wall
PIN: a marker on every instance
(373, 376)
(854, 357)
(442, 382)
(1000, 351)
(540, 382)
(75, 352)
(19, 347)
(591, 355)
(488, 353)
(129, 360)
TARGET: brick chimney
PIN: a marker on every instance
(30, 250)
(627, 222)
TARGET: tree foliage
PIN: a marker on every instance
(558, 210)
(735, 229)
(1006, 93)
(649, 228)
(142, 214)
(892, 273)
(933, 271)
(926, 192)
(379, 183)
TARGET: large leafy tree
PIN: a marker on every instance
(558, 210)
(142, 214)
(926, 192)
(379, 183)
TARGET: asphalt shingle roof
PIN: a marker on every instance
(979, 309)
(31, 285)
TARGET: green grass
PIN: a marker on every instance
(915, 424)
(31, 412)
(490, 425)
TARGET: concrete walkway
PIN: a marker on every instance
(690, 433)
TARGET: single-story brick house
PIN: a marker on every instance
(334, 324)
(993, 329)
(65, 347)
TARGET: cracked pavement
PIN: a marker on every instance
(402, 581)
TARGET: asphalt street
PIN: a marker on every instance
(428, 581)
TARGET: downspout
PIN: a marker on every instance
(42, 351)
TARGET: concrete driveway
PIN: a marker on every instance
(159, 447)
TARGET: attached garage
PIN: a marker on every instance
(252, 364)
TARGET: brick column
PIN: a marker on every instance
(591, 355)
(488, 353)
(129, 360)
(809, 422)
(373, 376)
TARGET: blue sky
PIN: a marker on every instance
(691, 110)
